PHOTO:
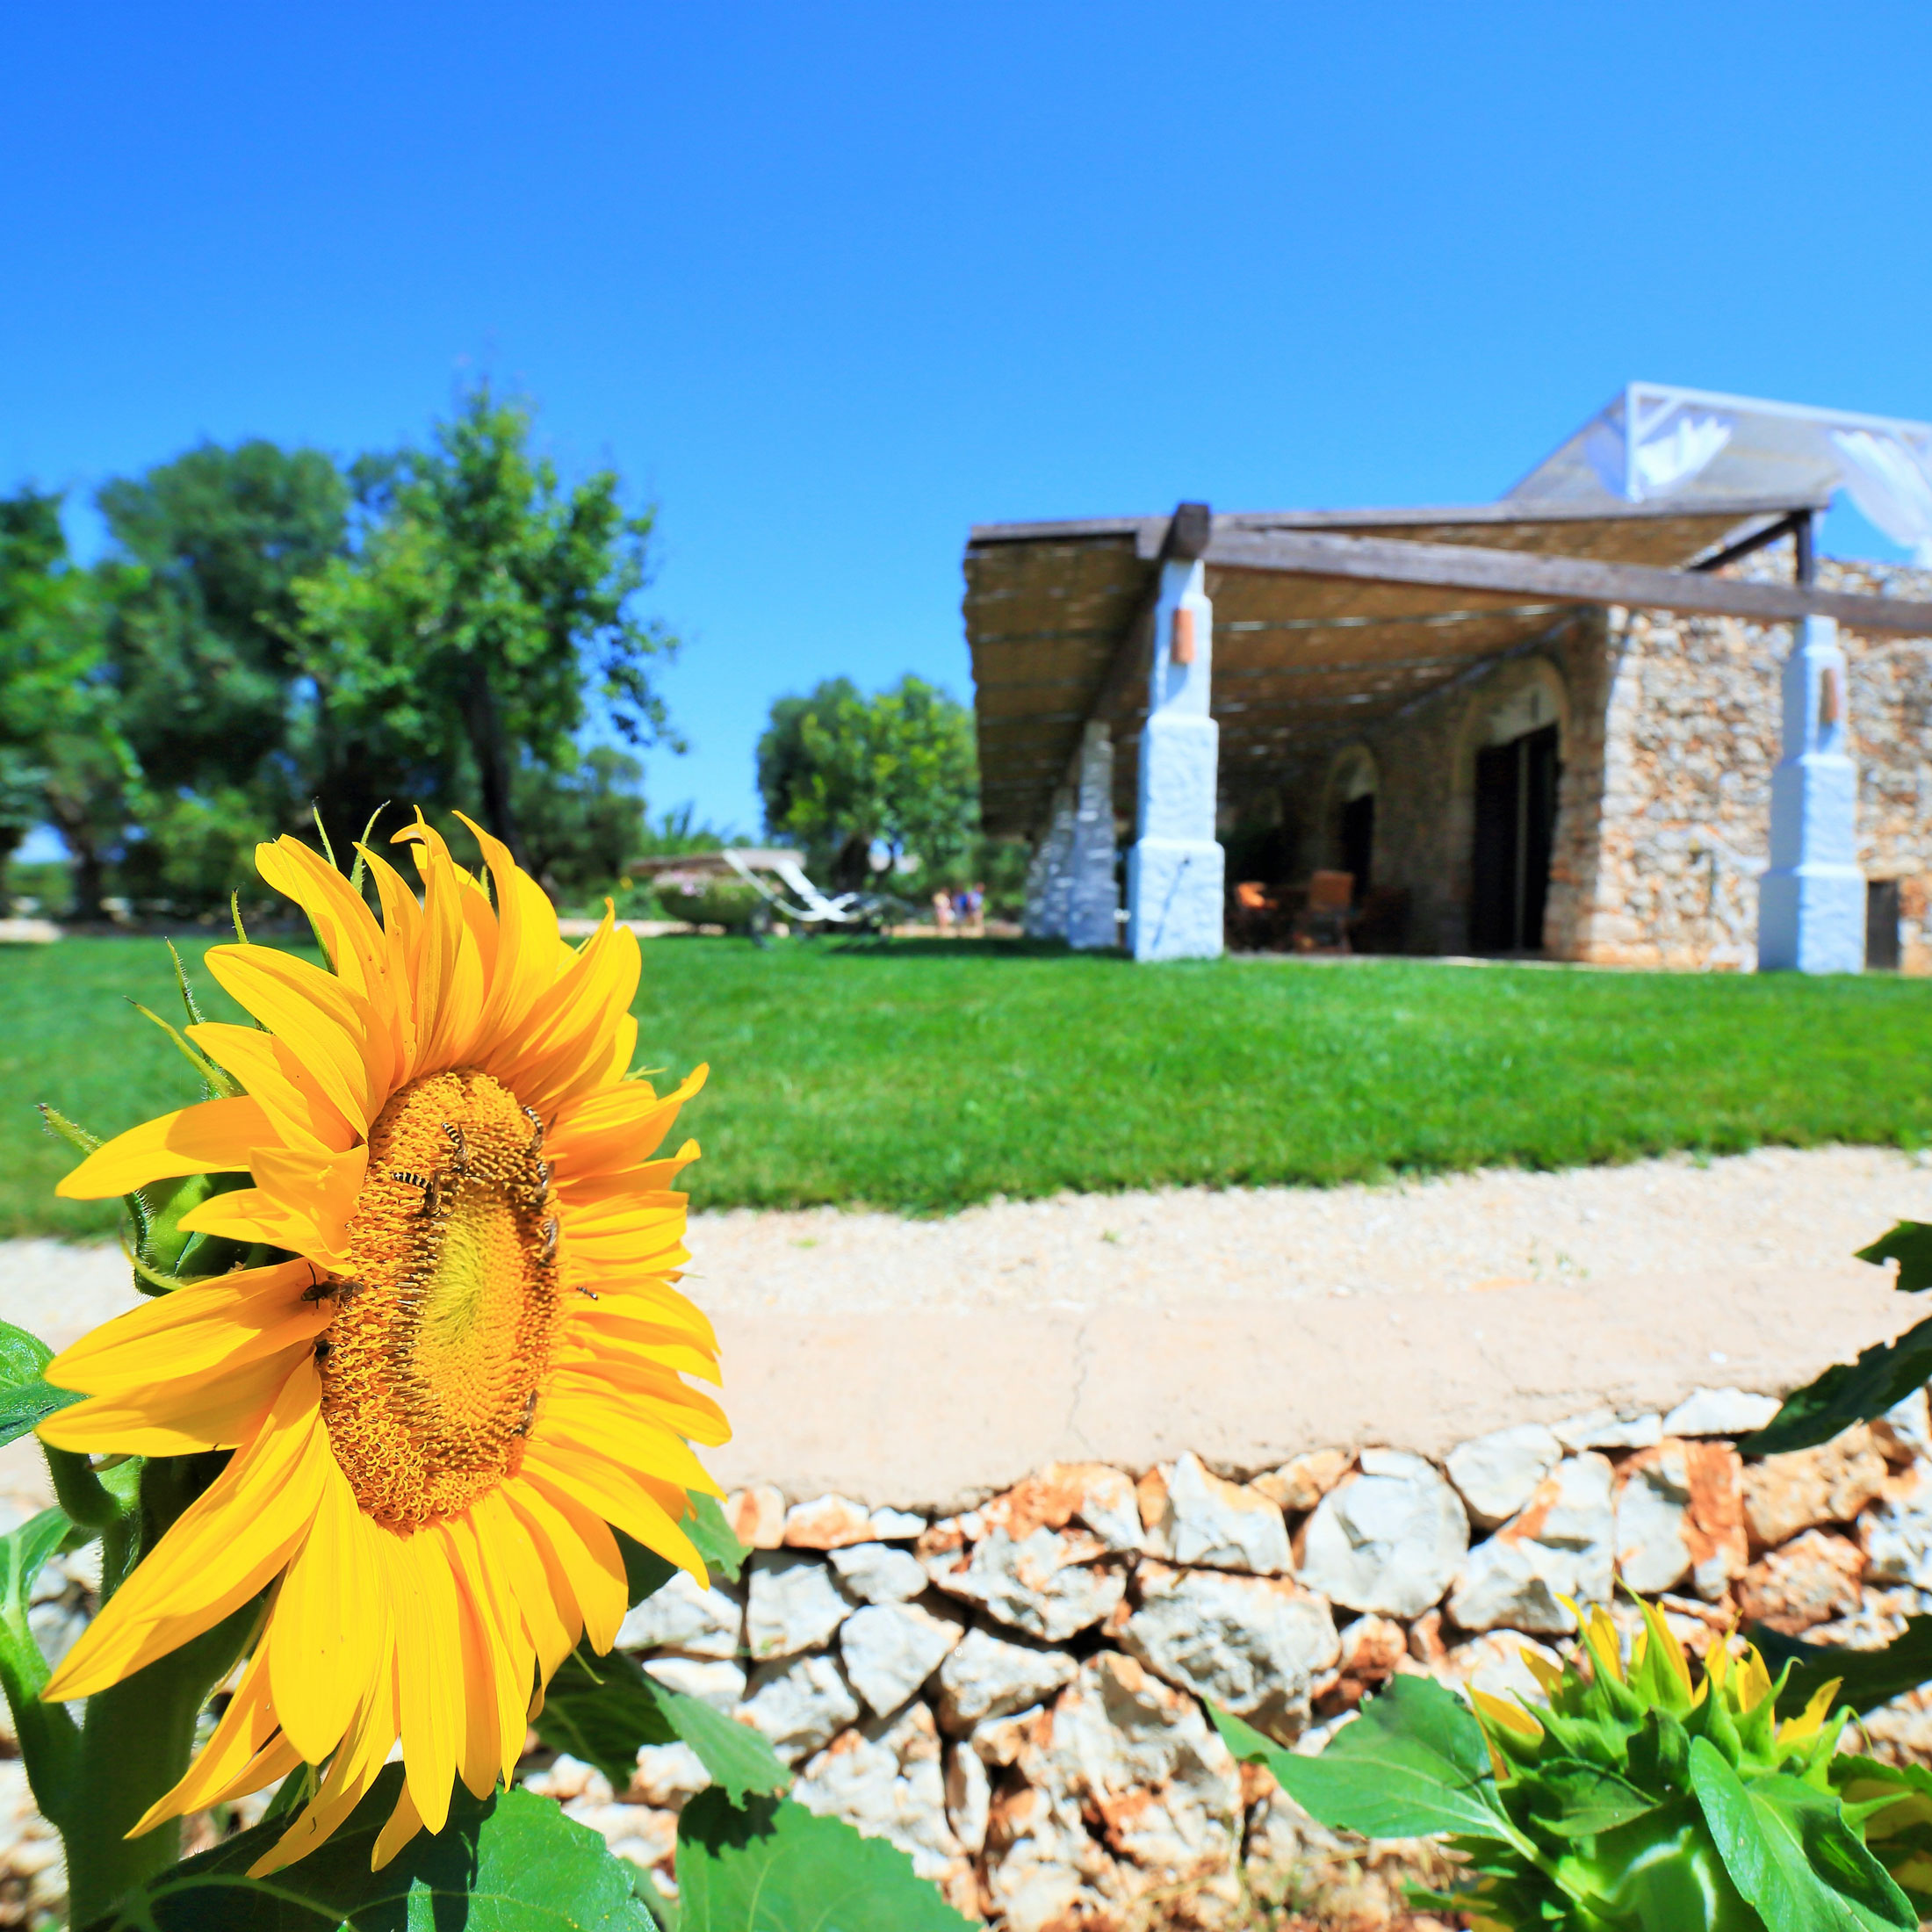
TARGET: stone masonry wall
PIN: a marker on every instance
(1670, 728)
(1012, 1696)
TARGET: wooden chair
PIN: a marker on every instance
(1322, 925)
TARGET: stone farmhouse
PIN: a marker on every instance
(1625, 715)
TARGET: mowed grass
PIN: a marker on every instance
(924, 1076)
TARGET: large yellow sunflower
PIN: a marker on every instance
(472, 1369)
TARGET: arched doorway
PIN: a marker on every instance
(1350, 816)
(1517, 768)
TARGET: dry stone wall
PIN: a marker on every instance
(1013, 1694)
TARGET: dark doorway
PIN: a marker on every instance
(1881, 925)
(1516, 816)
(1358, 840)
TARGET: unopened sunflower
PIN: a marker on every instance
(471, 1371)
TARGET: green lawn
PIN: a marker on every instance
(924, 1076)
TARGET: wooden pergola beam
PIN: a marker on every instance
(1576, 579)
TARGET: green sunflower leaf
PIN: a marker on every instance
(717, 1541)
(513, 1863)
(1846, 1393)
(1867, 1678)
(601, 1709)
(49, 1739)
(1412, 1764)
(1910, 1245)
(1791, 1853)
(26, 1399)
(773, 1866)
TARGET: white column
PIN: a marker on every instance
(1811, 907)
(1050, 877)
(1174, 871)
(1093, 898)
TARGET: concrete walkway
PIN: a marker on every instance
(922, 1363)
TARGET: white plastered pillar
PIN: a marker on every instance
(1811, 907)
(1049, 877)
(1174, 892)
(1093, 898)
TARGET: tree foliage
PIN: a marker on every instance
(461, 639)
(842, 772)
(271, 632)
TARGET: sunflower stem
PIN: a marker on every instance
(79, 1491)
(134, 1745)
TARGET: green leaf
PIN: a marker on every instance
(1572, 1799)
(602, 1709)
(513, 1863)
(1867, 1678)
(1791, 1855)
(773, 1866)
(49, 1739)
(1910, 1245)
(1847, 1393)
(1412, 1764)
(27, 1404)
(717, 1541)
(22, 1356)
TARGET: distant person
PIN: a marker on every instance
(975, 908)
(942, 911)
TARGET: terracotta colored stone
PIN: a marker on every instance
(1808, 1582)
(1831, 1484)
(1680, 1512)
(827, 1523)
(1100, 1496)
(1297, 1487)
(757, 1516)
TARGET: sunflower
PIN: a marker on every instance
(469, 1373)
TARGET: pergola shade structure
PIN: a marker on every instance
(1326, 623)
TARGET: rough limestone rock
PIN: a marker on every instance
(668, 1776)
(1783, 1494)
(1039, 1862)
(992, 1676)
(1606, 1429)
(969, 1795)
(796, 1604)
(1497, 1473)
(1388, 1539)
(1494, 1662)
(1139, 1758)
(886, 1780)
(879, 1573)
(1904, 1432)
(1253, 1644)
(1897, 1533)
(1050, 1583)
(890, 1649)
(1095, 1495)
(1201, 1519)
(757, 1516)
(1680, 1512)
(833, 1523)
(1808, 1582)
(1296, 1486)
(715, 1681)
(1558, 1545)
(681, 1617)
(799, 1704)
(1719, 1412)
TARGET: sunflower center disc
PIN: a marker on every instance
(447, 1309)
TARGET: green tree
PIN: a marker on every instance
(842, 772)
(463, 639)
(204, 654)
(62, 755)
(582, 827)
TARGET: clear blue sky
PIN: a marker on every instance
(832, 283)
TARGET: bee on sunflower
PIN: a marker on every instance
(462, 1372)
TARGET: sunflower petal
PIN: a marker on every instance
(212, 1138)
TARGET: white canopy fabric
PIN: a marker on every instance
(1654, 442)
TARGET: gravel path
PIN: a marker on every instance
(920, 1362)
